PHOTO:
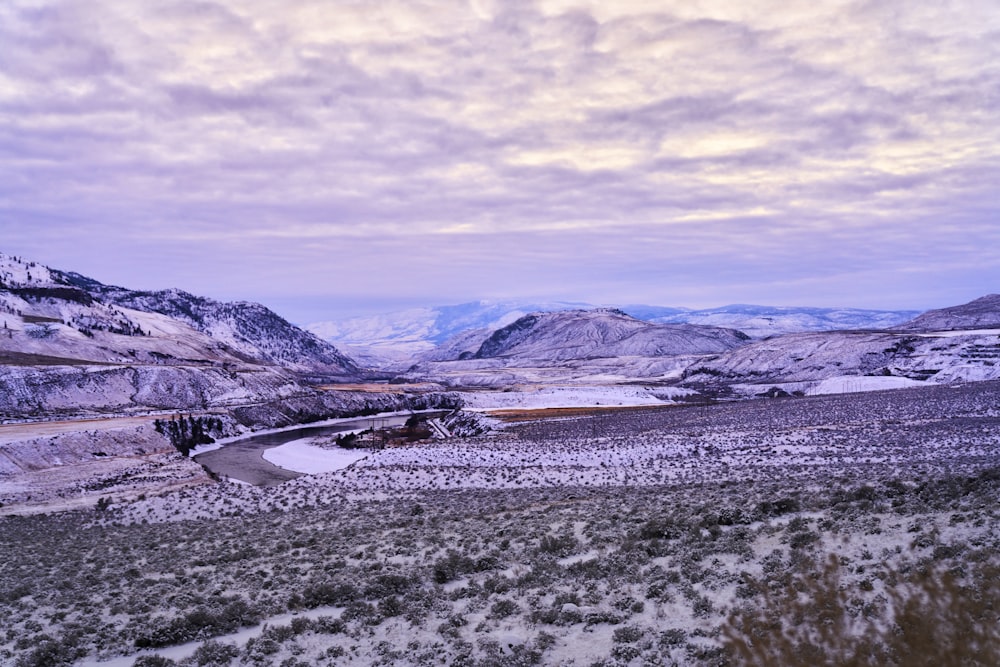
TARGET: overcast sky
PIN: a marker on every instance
(328, 157)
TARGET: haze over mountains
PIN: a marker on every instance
(395, 338)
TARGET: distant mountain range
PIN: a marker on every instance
(398, 337)
(70, 345)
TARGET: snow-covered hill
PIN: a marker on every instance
(601, 333)
(58, 314)
(583, 348)
(982, 313)
(803, 361)
(71, 346)
(764, 321)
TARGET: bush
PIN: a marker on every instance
(215, 653)
(628, 634)
(936, 620)
(327, 593)
(504, 608)
(452, 566)
(153, 661)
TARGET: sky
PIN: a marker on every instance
(328, 158)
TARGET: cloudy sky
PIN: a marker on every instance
(328, 157)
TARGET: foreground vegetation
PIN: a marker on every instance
(841, 561)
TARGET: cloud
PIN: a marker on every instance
(721, 144)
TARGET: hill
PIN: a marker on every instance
(981, 313)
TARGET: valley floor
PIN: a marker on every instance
(860, 527)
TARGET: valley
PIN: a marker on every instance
(574, 486)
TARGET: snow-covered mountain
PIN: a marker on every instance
(70, 345)
(601, 333)
(764, 321)
(607, 346)
(862, 360)
(60, 314)
(602, 346)
(982, 313)
(394, 339)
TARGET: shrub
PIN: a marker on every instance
(936, 620)
(153, 661)
(215, 653)
(628, 634)
(558, 546)
(504, 608)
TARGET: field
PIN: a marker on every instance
(846, 529)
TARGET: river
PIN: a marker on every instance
(242, 459)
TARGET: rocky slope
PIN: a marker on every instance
(602, 347)
(765, 321)
(801, 361)
(245, 328)
(607, 347)
(949, 345)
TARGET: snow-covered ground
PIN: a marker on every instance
(569, 396)
(305, 457)
(959, 332)
(847, 384)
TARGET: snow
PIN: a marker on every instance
(539, 397)
(959, 332)
(303, 456)
(847, 384)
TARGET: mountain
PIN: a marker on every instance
(70, 345)
(71, 315)
(606, 346)
(852, 360)
(764, 321)
(600, 347)
(982, 313)
(601, 333)
(394, 339)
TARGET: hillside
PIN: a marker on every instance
(71, 346)
(602, 348)
(51, 313)
(601, 333)
(765, 321)
(851, 361)
(982, 313)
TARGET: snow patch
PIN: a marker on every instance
(302, 456)
(570, 397)
(849, 384)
